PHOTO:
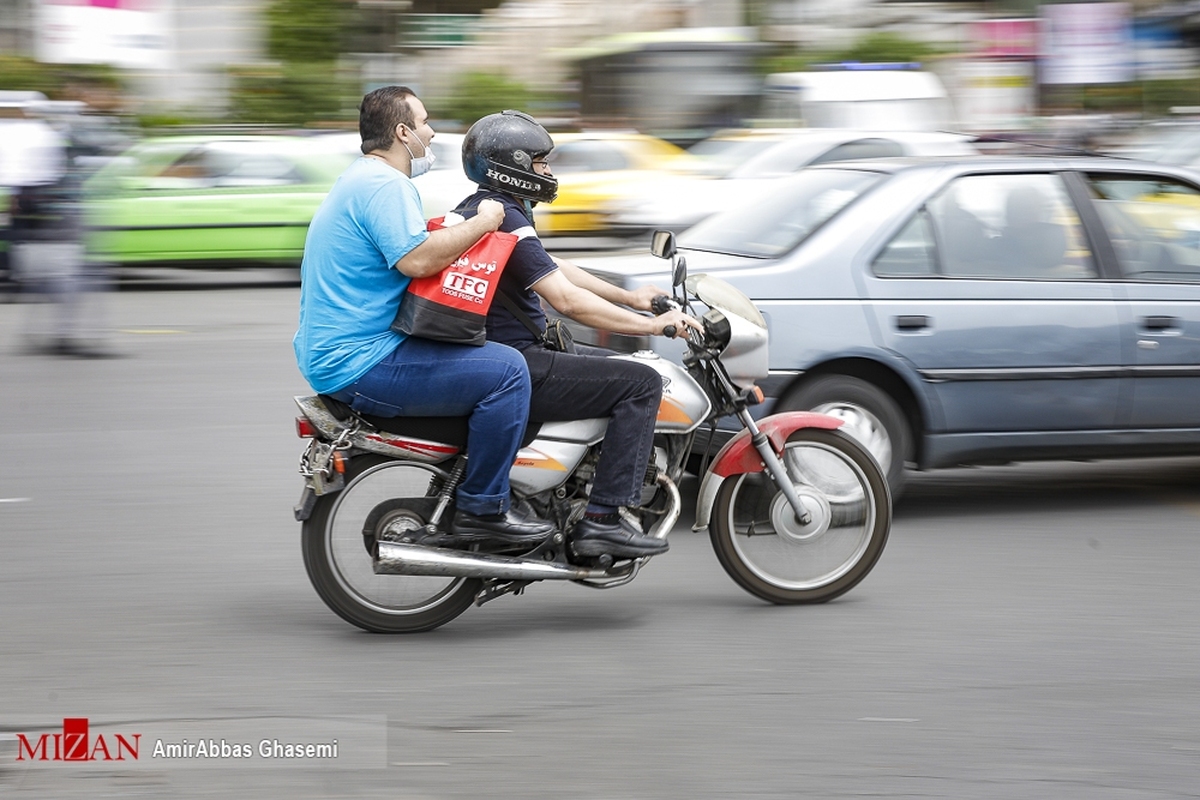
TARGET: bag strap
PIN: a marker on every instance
(515, 310)
(505, 299)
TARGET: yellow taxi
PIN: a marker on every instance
(591, 169)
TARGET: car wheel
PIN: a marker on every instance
(871, 416)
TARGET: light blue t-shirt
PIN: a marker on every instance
(350, 289)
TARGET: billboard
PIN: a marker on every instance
(134, 34)
(1087, 43)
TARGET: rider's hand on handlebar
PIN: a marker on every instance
(677, 320)
(643, 297)
(662, 304)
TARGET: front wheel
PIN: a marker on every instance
(382, 499)
(869, 414)
(766, 550)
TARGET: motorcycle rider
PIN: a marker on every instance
(366, 242)
(505, 154)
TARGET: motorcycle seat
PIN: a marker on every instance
(445, 430)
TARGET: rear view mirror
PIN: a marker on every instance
(662, 244)
(680, 276)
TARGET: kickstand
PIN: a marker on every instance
(494, 589)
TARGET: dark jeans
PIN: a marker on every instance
(588, 385)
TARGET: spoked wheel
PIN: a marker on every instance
(382, 499)
(770, 554)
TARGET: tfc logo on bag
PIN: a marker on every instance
(465, 287)
(452, 306)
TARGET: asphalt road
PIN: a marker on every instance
(1030, 631)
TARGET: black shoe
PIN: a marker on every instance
(619, 539)
(508, 529)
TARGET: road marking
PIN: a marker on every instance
(888, 719)
(482, 730)
(15, 499)
(149, 331)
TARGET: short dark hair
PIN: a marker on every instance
(379, 114)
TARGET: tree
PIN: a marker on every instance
(306, 31)
(874, 48)
(481, 93)
(303, 85)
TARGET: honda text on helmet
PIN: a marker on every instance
(498, 153)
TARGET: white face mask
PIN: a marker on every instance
(419, 166)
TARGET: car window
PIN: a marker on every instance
(783, 217)
(1153, 223)
(863, 148)
(205, 167)
(911, 253)
(1009, 226)
(586, 157)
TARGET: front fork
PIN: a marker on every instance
(755, 449)
(774, 467)
(762, 445)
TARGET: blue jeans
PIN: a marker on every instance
(424, 378)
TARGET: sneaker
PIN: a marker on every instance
(619, 539)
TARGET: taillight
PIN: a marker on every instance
(305, 429)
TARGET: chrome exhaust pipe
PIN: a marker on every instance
(395, 558)
(660, 529)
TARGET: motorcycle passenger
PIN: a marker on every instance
(366, 242)
(505, 154)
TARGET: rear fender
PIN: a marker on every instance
(738, 456)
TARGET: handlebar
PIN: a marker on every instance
(662, 304)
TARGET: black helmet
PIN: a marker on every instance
(498, 153)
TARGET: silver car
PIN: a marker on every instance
(734, 167)
(967, 311)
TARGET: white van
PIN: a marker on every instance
(862, 99)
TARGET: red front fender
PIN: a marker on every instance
(738, 456)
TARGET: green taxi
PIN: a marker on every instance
(208, 200)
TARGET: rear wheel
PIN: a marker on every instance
(770, 554)
(382, 499)
(870, 415)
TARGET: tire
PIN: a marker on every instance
(769, 554)
(337, 542)
(871, 416)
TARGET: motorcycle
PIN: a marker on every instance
(796, 509)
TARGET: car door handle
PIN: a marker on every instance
(912, 322)
(1159, 323)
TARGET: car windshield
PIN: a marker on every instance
(782, 159)
(718, 156)
(782, 218)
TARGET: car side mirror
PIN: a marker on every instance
(662, 244)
